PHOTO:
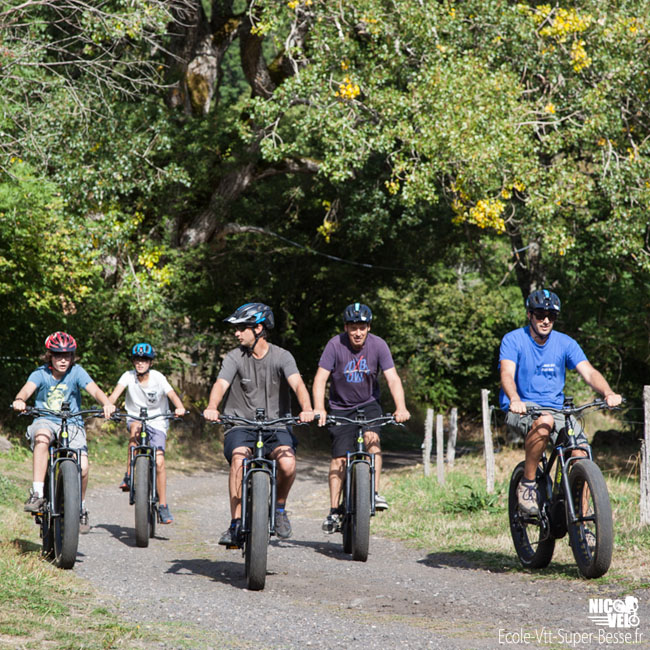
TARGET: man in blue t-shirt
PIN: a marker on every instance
(352, 361)
(533, 362)
(58, 380)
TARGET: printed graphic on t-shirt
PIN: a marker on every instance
(151, 395)
(547, 370)
(56, 396)
(355, 370)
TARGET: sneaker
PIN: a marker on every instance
(380, 502)
(34, 503)
(527, 497)
(332, 523)
(230, 538)
(84, 525)
(164, 515)
(282, 524)
(125, 485)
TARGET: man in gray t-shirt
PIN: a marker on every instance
(255, 375)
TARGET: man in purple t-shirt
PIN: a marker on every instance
(352, 361)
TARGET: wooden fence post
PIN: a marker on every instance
(440, 449)
(453, 434)
(487, 437)
(644, 501)
(426, 449)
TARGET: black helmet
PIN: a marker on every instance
(543, 299)
(251, 314)
(357, 313)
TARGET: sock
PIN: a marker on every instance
(279, 507)
(38, 488)
(83, 506)
(235, 522)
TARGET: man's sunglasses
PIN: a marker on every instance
(541, 314)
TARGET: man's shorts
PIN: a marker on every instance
(76, 433)
(344, 436)
(520, 424)
(157, 437)
(244, 437)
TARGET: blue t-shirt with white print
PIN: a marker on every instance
(50, 393)
(541, 369)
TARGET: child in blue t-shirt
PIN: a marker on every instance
(58, 380)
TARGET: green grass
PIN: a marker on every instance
(459, 522)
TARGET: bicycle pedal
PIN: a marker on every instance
(233, 547)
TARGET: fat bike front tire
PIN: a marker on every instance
(142, 490)
(592, 535)
(65, 526)
(361, 515)
(257, 542)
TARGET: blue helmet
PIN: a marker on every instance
(251, 314)
(143, 350)
(543, 299)
(357, 313)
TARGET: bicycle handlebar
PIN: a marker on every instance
(63, 415)
(381, 421)
(571, 410)
(236, 419)
(120, 415)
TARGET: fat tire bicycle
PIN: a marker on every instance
(357, 504)
(61, 512)
(143, 493)
(258, 497)
(576, 502)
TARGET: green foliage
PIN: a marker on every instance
(477, 500)
(445, 135)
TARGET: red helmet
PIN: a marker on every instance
(60, 342)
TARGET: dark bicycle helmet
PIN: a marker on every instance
(357, 313)
(251, 314)
(543, 299)
(60, 342)
(144, 350)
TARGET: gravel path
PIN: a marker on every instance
(315, 595)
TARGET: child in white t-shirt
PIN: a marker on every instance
(147, 388)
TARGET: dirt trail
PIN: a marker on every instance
(315, 595)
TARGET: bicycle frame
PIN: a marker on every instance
(143, 448)
(561, 456)
(258, 462)
(359, 455)
(59, 452)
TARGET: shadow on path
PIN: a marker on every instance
(229, 573)
(328, 549)
(124, 535)
(494, 563)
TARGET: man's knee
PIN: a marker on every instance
(285, 458)
(542, 426)
(42, 437)
(371, 440)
